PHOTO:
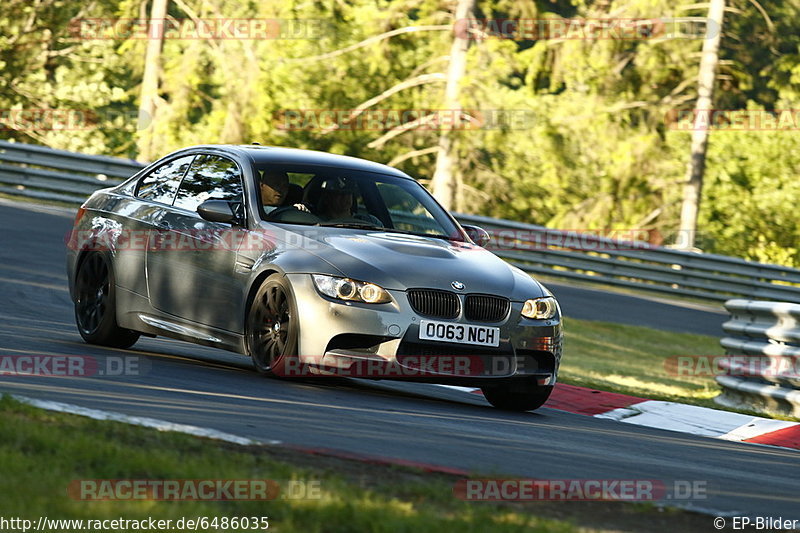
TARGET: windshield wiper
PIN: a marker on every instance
(420, 234)
(367, 225)
(360, 225)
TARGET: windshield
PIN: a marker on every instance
(340, 197)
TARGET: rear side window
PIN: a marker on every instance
(210, 176)
(161, 184)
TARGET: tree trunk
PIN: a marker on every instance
(149, 90)
(697, 161)
(444, 184)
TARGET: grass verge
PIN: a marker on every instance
(41, 452)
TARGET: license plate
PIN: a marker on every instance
(430, 330)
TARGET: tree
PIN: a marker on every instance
(592, 149)
(152, 66)
(705, 80)
(443, 184)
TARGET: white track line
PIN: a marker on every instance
(160, 425)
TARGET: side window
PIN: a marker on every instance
(210, 176)
(160, 184)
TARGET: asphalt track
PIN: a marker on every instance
(188, 384)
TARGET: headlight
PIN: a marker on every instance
(540, 308)
(350, 289)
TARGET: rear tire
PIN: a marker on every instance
(272, 328)
(96, 304)
(517, 401)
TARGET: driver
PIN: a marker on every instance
(274, 185)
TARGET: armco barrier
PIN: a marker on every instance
(552, 252)
(767, 333)
(48, 174)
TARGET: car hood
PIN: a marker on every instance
(397, 261)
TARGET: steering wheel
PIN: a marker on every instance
(289, 213)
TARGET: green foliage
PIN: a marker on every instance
(590, 146)
(752, 196)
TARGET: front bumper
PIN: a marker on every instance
(381, 341)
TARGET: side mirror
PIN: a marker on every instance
(216, 211)
(477, 234)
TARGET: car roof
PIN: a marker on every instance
(296, 156)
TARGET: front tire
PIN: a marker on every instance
(96, 304)
(517, 401)
(272, 327)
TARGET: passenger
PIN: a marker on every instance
(336, 199)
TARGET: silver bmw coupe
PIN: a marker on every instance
(313, 265)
